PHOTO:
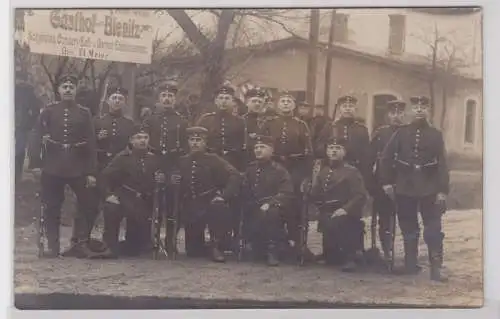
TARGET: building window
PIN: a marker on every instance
(470, 121)
(397, 33)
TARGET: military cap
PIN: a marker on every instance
(68, 78)
(286, 93)
(138, 129)
(347, 99)
(337, 140)
(420, 100)
(118, 90)
(255, 92)
(396, 105)
(168, 87)
(197, 131)
(263, 139)
(226, 89)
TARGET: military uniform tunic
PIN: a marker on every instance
(357, 146)
(340, 185)
(226, 136)
(205, 176)
(119, 129)
(266, 182)
(130, 176)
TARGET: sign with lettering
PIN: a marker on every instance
(123, 35)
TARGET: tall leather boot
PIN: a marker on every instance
(411, 266)
(436, 260)
(217, 254)
(272, 256)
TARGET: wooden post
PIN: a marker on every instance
(328, 68)
(312, 61)
(128, 80)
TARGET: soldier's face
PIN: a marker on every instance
(140, 141)
(318, 111)
(255, 104)
(263, 151)
(286, 104)
(166, 98)
(116, 102)
(347, 109)
(396, 116)
(335, 152)
(304, 110)
(67, 91)
(197, 143)
(224, 101)
(420, 111)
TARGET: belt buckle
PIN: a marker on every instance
(109, 154)
(225, 152)
(66, 147)
(418, 167)
(138, 195)
(164, 152)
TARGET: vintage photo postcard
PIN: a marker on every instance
(248, 158)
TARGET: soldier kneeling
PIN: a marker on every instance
(339, 193)
(268, 188)
(129, 182)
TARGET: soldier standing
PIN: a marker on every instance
(340, 195)
(208, 183)
(65, 134)
(168, 141)
(226, 131)
(254, 118)
(319, 121)
(354, 132)
(129, 183)
(414, 172)
(383, 206)
(292, 148)
(305, 113)
(268, 190)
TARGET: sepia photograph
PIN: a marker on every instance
(232, 158)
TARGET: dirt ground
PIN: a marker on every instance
(203, 279)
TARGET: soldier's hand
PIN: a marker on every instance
(339, 212)
(159, 177)
(45, 138)
(306, 186)
(113, 199)
(389, 190)
(91, 181)
(175, 179)
(218, 199)
(146, 111)
(440, 198)
(265, 207)
(37, 173)
(102, 134)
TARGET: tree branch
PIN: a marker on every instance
(190, 29)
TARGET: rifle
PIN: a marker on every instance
(304, 217)
(174, 220)
(156, 224)
(392, 221)
(41, 229)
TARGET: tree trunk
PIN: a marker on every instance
(312, 61)
(328, 69)
(444, 106)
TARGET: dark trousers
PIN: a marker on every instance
(265, 228)
(342, 237)
(138, 230)
(219, 221)
(408, 208)
(53, 198)
(167, 197)
(384, 208)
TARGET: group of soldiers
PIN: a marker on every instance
(249, 180)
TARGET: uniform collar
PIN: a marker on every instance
(346, 120)
(421, 123)
(335, 164)
(264, 163)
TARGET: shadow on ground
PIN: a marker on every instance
(59, 301)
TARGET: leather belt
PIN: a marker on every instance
(134, 191)
(66, 146)
(418, 167)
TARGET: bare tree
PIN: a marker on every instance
(444, 64)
